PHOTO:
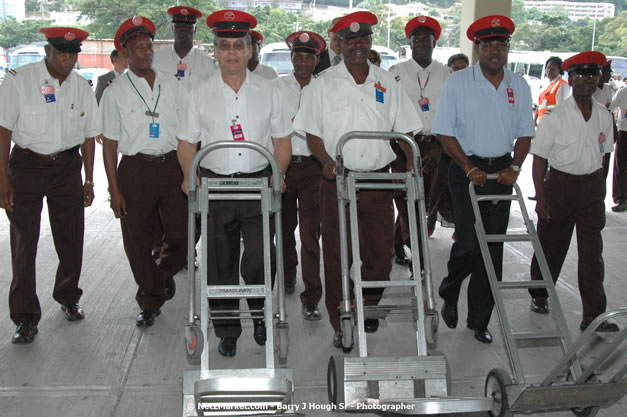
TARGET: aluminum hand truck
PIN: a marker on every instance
(212, 392)
(568, 386)
(403, 385)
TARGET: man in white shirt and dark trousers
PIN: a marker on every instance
(301, 200)
(423, 81)
(355, 95)
(139, 116)
(574, 139)
(49, 112)
(239, 105)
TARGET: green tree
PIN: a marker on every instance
(13, 33)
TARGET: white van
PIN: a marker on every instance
(388, 56)
(25, 55)
(277, 55)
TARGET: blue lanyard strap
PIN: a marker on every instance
(151, 113)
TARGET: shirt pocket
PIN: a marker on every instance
(134, 124)
(33, 122)
(566, 150)
(77, 121)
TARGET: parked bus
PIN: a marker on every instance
(25, 55)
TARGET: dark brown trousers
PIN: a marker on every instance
(60, 182)
(575, 200)
(375, 215)
(619, 183)
(153, 189)
(301, 207)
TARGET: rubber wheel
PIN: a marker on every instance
(335, 380)
(347, 336)
(496, 384)
(585, 412)
(282, 342)
(193, 344)
(432, 321)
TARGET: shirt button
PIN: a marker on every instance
(239, 154)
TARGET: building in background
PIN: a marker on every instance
(575, 10)
(12, 8)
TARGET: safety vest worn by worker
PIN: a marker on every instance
(548, 98)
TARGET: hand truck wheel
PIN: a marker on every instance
(193, 344)
(282, 342)
(432, 321)
(347, 335)
(496, 385)
(585, 412)
(335, 380)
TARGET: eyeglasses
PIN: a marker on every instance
(585, 76)
(495, 45)
(225, 45)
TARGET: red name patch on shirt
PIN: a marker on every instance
(380, 87)
(510, 96)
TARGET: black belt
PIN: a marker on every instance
(297, 159)
(557, 172)
(158, 159)
(209, 173)
(50, 157)
(491, 160)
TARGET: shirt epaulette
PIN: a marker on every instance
(322, 72)
(397, 78)
(12, 72)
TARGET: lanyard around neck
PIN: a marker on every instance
(149, 112)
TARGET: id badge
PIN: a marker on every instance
(153, 129)
(601, 142)
(510, 96)
(48, 93)
(180, 69)
(424, 103)
(237, 132)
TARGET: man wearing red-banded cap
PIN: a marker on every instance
(484, 114)
(354, 95)
(49, 112)
(301, 205)
(239, 105)
(574, 138)
(139, 116)
(423, 80)
(188, 64)
(254, 65)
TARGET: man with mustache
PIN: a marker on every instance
(484, 114)
(49, 112)
(355, 95)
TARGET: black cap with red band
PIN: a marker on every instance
(231, 23)
(184, 14)
(306, 41)
(65, 39)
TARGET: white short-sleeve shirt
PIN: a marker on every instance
(42, 127)
(198, 65)
(290, 94)
(265, 71)
(620, 102)
(604, 95)
(571, 144)
(423, 83)
(122, 115)
(213, 108)
(334, 104)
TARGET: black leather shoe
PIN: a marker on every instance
(371, 325)
(449, 314)
(482, 334)
(604, 327)
(289, 289)
(311, 312)
(619, 208)
(533, 198)
(337, 342)
(539, 305)
(227, 346)
(73, 312)
(400, 258)
(146, 318)
(260, 332)
(24, 334)
(170, 288)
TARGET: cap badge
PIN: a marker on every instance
(303, 37)
(496, 22)
(70, 36)
(354, 27)
(137, 20)
(422, 19)
(184, 12)
(229, 16)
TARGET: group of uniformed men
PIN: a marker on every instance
(176, 99)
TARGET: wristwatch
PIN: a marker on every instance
(515, 168)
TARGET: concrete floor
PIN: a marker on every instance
(104, 366)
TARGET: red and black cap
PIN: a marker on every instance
(306, 41)
(134, 26)
(65, 39)
(423, 22)
(355, 25)
(494, 26)
(231, 23)
(585, 62)
(256, 36)
(184, 14)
